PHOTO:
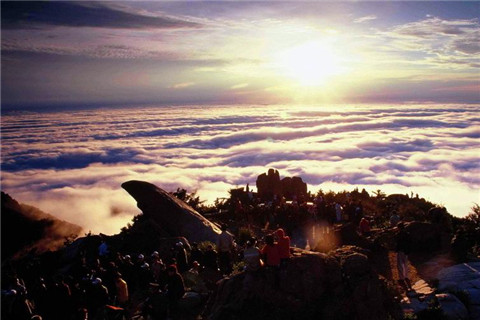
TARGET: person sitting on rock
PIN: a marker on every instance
(225, 246)
(283, 247)
(403, 249)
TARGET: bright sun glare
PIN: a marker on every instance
(309, 64)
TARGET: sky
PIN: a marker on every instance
(75, 53)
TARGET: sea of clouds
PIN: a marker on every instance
(71, 163)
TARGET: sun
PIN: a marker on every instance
(309, 64)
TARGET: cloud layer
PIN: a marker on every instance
(72, 164)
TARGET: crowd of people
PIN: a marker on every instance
(114, 285)
(119, 286)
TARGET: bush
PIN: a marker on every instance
(244, 234)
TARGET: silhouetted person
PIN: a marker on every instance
(97, 297)
(181, 257)
(403, 249)
(175, 290)
(283, 246)
(210, 258)
(196, 254)
(272, 259)
(225, 246)
(156, 304)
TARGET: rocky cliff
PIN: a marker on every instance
(173, 216)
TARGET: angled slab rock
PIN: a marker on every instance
(174, 215)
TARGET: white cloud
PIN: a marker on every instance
(181, 85)
(72, 166)
(365, 19)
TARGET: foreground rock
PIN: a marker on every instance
(463, 280)
(174, 216)
(313, 286)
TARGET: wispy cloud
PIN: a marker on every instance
(182, 85)
(36, 14)
(239, 86)
(442, 42)
(365, 19)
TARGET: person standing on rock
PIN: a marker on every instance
(272, 259)
(338, 212)
(225, 246)
(283, 247)
(403, 249)
(253, 263)
(175, 290)
(252, 256)
(210, 258)
(181, 257)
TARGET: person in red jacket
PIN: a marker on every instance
(270, 252)
(364, 227)
(272, 259)
(283, 246)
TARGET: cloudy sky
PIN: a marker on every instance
(208, 95)
(72, 53)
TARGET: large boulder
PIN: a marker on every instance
(313, 286)
(452, 307)
(463, 280)
(173, 215)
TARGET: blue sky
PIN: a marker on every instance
(97, 53)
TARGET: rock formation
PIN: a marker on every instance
(313, 286)
(269, 185)
(173, 215)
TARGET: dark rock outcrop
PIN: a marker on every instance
(313, 286)
(427, 237)
(269, 185)
(26, 228)
(173, 216)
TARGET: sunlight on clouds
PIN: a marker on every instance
(73, 166)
